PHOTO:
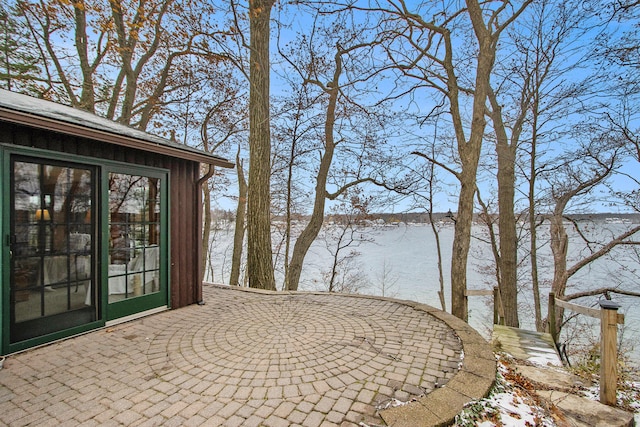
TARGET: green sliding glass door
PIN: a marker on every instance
(86, 243)
(136, 240)
(52, 247)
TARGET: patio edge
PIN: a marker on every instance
(474, 380)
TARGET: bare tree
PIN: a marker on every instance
(387, 281)
(424, 187)
(297, 128)
(590, 167)
(130, 61)
(546, 47)
(525, 86)
(576, 176)
(310, 232)
(335, 63)
(239, 231)
(221, 120)
(342, 238)
(425, 48)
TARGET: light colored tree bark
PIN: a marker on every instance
(238, 233)
(311, 230)
(569, 182)
(439, 49)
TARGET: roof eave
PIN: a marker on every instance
(50, 124)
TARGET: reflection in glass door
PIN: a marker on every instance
(52, 280)
(134, 241)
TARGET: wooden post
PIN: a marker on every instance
(551, 318)
(608, 351)
(496, 301)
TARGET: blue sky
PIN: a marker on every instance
(298, 20)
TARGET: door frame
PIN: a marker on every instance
(102, 168)
(129, 307)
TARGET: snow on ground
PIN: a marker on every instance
(543, 357)
(510, 403)
(628, 398)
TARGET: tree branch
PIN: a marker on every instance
(600, 291)
(603, 251)
(436, 162)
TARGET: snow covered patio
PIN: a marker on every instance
(256, 358)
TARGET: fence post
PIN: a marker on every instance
(496, 301)
(551, 318)
(608, 351)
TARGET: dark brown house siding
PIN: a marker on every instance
(185, 244)
(185, 240)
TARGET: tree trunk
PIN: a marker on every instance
(468, 149)
(87, 97)
(288, 218)
(535, 282)
(508, 235)
(436, 235)
(125, 50)
(461, 244)
(238, 235)
(469, 152)
(508, 260)
(559, 248)
(310, 232)
(259, 256)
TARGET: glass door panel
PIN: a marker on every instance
(52, 280)
(134, 268)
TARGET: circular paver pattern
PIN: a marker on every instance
(295, 357)
(262, 359)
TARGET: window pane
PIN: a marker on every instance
(134, 224)
(52, 248)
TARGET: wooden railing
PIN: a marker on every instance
(609, 320)
(498, 307)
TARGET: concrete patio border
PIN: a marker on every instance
(475, 379)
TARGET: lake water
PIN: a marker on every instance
(402, 260)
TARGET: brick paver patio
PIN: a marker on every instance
(243, 359)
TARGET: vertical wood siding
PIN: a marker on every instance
(185, 245)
